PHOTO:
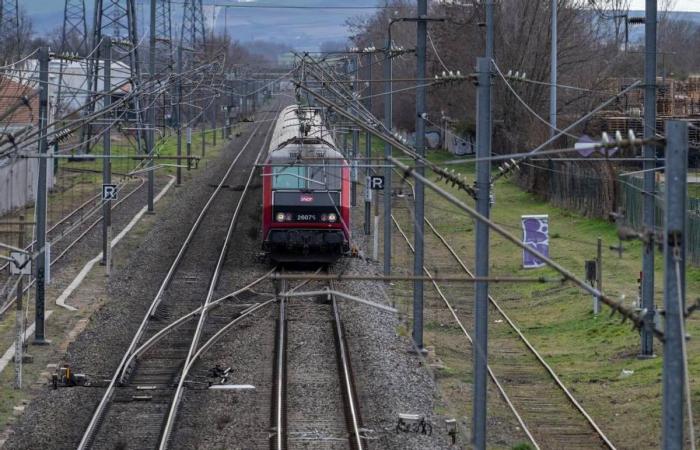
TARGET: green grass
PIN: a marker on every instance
(588, 352)
(165, 146)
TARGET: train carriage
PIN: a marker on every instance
(306, 190)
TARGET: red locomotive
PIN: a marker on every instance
(306, 190)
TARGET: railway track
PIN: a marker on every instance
(78, 223)
(142, 399)
(549, 414)
(315, 403)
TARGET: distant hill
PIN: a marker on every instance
(637, 31)
(302, 29)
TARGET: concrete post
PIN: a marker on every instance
(418, 223)
(152, 112)
(40, 251)
(387, 154)
(649, 209)
(107, 150)
(483, 184)
(674, 370)
(178, 116)
(368, 148)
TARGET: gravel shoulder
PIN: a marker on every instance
(56, 419)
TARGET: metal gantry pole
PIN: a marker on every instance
(674, 281)
(418, 223)
(368, 150)
(355, 138)
(483, 185)
(553, 73)
(387, 153)
(40, 251)
(19, 316)
(107, 151)
(152, 110)
(649, 208)
(178, 115)
(483, 188)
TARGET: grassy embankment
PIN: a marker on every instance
(588, 352)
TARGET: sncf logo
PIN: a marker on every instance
(307, 198)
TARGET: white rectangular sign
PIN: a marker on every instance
(21, 264)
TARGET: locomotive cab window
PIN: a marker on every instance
(289, 177)
(325, 177)
(315, 178)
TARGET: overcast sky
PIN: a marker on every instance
(681, 5)
(302, 29)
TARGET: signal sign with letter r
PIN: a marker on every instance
(109, 192)
(376, 183)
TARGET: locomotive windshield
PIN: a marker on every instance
(313, 178)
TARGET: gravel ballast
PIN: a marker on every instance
(58, 418)
(390, 379)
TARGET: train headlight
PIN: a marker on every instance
(280, 217)
(324, 217)
(332, 217)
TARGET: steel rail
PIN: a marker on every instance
(530, 347)
(280, 381)
(527, 343)
(107, 396)
(212, 340)
(182, 320)
(280, 424)
(617, 306)
(355, 435)
(7, 305)
(501, 391)
(63, 219)
(177, 397)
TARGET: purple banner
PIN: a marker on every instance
(535, 236)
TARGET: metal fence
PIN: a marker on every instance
(594, 190)
(630, 204)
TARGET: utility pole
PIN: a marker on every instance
(19, 315)
(74, 27)
(152, 111)
(387, 154)
(368, 149)
(418, 222)
(10, 27)
(244, 107)
(674, 365)
(553, 74)
(204, 137)
(116, 18)
(483, 189)
(482, 252)
(215, 106)
(178, 116)
(40, 251)
(649, 209)
(188, 147)
(598, 276)
(106, 152)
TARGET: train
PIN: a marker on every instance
(306, 190)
